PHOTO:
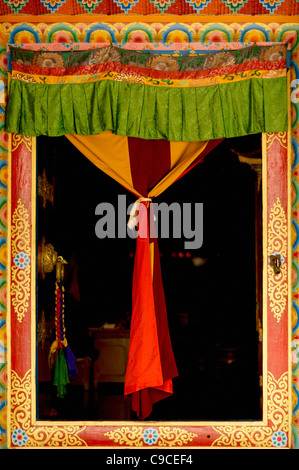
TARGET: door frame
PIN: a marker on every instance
(273, 430)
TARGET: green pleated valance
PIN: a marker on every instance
(146, 95)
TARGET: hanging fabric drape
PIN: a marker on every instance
(146, 122)
(194, 98)
(146, 168)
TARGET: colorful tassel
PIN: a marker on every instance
(59, 314)
(61, 354)
(61, 378)
(71, 362)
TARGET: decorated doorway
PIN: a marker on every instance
(275, 318)
(217, 347)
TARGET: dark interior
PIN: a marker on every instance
(212, 293)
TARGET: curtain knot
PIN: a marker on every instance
(134, 211)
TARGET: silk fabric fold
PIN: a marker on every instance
(137, 94)
(146, 168)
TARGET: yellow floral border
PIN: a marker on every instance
(138, 78)
(167, 436)
(20, 278)
(261, 436)
(277, 243)
(38, 436)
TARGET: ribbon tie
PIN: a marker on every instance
(134, 211)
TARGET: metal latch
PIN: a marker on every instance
(276, 261)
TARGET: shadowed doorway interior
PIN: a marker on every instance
(213, 294)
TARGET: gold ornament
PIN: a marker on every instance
(133, 436)
(38, 436)
(277, 245)
(45, 189)
(20, 276)
(261, 436)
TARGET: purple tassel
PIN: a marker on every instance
(71, 362)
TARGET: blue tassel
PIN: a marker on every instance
(71, 362)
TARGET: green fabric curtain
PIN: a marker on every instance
(211, 96)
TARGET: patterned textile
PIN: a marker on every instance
(138, 94)
(76, 62)
(148, 7)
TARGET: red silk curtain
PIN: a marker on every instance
(147, 168)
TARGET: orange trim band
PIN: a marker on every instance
(139, 78)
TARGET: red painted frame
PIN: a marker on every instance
(274, 430)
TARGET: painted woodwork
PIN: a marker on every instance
(22, 426)
(178, 7)
(275, 427)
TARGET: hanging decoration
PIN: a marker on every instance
(145, 95)
(61, 356)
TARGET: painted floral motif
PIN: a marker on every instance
(16, 5)
(292, 38)
(22, 260)
(3, 61)
(3, 254)
(100, 36)
(3, 417)
(254, 35)
(19, 437)
(150, 436)
(90, 5)
(2, 95)
(126, 5)
(162, 5)
(62, 37)
(4, 174)
(295, 354)
(177, 36)
(3, 300)
(53, 5)
(2, 351)
(138, 33)
(24, 37)
(271, 5)
(235, 5)
(198, 4)
(279, 439)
